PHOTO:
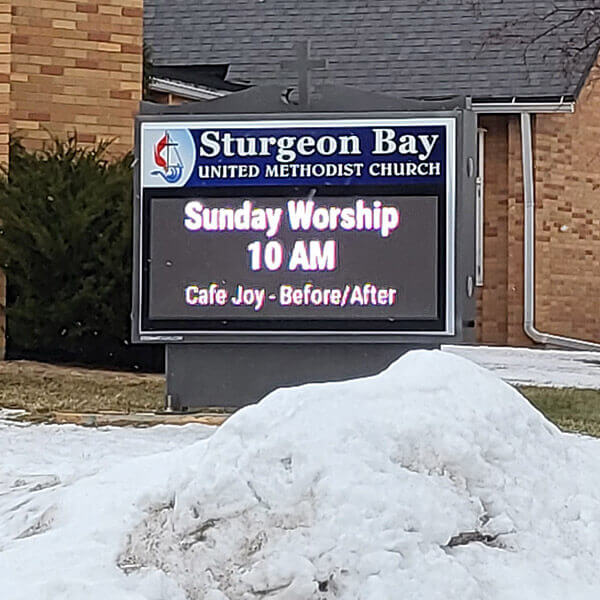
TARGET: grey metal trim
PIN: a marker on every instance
(185, 90)
(303, 337)
(479, 207)
(529, 252)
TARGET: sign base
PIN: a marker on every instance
(236, 375)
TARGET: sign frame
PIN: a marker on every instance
(456, 186)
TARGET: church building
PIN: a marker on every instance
(528, 70)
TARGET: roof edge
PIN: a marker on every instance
(563, 104)
(524, 105)
(185, 90)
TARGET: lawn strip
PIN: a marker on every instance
(571, 409)
(43, 388)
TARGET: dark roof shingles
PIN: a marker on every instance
(482, 48)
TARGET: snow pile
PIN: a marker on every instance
(68, 495)
(432, 480)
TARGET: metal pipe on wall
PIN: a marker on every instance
(529, 251)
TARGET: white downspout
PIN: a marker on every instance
(529, 251)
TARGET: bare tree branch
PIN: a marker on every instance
(568, 27)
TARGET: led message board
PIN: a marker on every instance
(295, 226)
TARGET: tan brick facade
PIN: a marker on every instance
(492, 301)
(567, 188)
(66, 66)
(76, 65)
(567, 158)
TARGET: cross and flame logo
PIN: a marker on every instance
(168, 159)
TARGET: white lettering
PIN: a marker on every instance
(274, 220)
(384, 141)
(326, 145)
(300, 214)
(428, 142)
(390, 219)
(299, 258)
(346, 140)
(323, 256)
(407, 144)
(193, 220)
(209, 139)
(306, 145)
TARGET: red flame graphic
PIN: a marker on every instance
(160, 146)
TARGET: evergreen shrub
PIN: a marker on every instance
(65, 245)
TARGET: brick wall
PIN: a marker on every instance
(76, 65)
(567, 185)
(492, 306)
(567, 188)
(500, 302)
(66, 66)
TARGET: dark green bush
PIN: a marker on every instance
(65, 245)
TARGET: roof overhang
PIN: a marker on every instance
(516, 106)
(185, 90)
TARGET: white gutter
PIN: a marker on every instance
(523, 107)
(185, 90)
(529, 251)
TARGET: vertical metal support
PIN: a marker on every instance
(168, 394)
(465, 229)
(479, 207)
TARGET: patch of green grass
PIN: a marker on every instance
(571, 409)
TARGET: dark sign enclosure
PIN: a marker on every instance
(317, 225)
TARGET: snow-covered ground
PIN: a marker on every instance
(433, 480)
(529, 366)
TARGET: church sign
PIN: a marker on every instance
(294, 226)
